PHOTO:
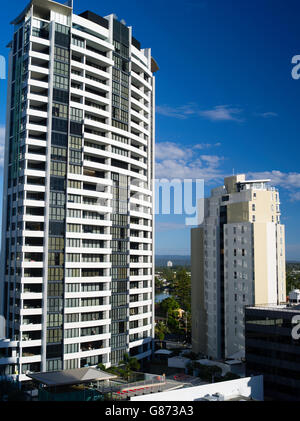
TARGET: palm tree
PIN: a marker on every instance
(160, 331)
(130, 364)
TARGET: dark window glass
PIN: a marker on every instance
(56, 228)
(75, 128)
(57, 184)
(61, 96)
(60, 125)
(59, 139)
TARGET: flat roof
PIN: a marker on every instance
(283, 308)
(164, 352)
(71, 377)
(42, 3)
(254, 181)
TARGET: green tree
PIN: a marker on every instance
(182, 289)
(158, 283)
(101, 367)
(160, 331)
(292, 280)
(173, 322)
(168, 274)
(207, 372)
(168, 305)
(130, 364)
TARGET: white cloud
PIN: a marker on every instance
(288, 181)
(171, 150)
(178, 161)
(295, 197)
(222, 113)
(267, 114)
(207, 145)
(167, 111)
(213, 160)
(218, 113)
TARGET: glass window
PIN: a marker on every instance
(60, 110)
(58, 168)
(61, 68)
(75, 142)
(76, 114)
(60, 82)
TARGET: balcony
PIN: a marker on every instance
(32, 320)
(35, 196)
(31, 351)
(91, 346)
(33, 273)
(35, 181)
(33, 258)
(32, 165)
(31, 336)
(35, 211)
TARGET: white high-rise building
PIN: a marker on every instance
(77, 279)
(238, 259)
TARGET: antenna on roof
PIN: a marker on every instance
(233, 172)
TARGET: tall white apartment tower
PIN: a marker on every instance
(238, 259)
(77, 241)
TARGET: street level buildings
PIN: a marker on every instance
(272, 349)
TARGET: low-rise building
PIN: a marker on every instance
(273, 349)
(250, 388)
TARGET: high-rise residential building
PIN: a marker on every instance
(238, 259)
(77, 241)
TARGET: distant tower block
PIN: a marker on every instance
(238, 259)
(170, 264)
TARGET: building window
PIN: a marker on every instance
(72, 198)
(60, 82)
(74, 184)
(58, 168)
(60, 110)
(75, 142)
(61, 68)
(76, 114)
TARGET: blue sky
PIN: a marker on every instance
(225, 96)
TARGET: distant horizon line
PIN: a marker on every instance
(189, 255)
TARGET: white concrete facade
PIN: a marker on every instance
(242, 251)
(77, 242)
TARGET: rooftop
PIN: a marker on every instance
(276, 307)
(71, 377)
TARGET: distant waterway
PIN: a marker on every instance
(162, 296)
